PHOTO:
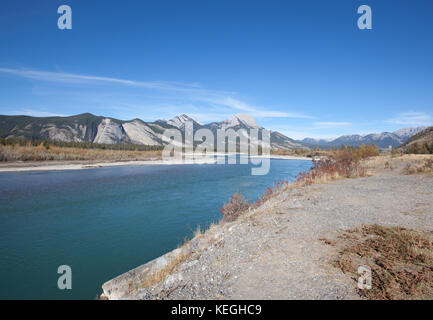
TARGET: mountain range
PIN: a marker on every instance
(104, 130)
(87, 127)
(381, 140)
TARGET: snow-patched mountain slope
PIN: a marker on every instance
(422, 141)
(179, 121)
(240, 120)
(245, 119)
(406, 133)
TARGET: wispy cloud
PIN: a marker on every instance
(218, 102)
(252, 110)
(412, 119)
(33, 113)
(78, 78)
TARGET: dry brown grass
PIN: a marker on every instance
(10, 153)
(403, 163)
(327, 241)
(198, 233)
(302, 153)
(387, 165)
(354, 154)
(161, 275)
(149, 280)
(401, 261)
(425, 166)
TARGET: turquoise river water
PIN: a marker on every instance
(105, 221)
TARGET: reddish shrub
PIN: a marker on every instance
(280, 185)
(270, 192)
(236, 206)
(264, 197)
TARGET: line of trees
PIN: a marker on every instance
(81, 145)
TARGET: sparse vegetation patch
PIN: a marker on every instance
(325, 170)
(425, 166)
(401, 261)
(234, 208)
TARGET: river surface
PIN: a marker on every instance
(103, 222)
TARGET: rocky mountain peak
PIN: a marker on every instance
(246, 119)
(179, 121)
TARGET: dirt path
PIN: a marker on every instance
(274, 252)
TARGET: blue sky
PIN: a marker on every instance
(300, 67)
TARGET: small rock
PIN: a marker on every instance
(191, 263)
(172, 280)
(218, 235)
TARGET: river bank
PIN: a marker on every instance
(277, 251)
(53, 165)
(80, 165)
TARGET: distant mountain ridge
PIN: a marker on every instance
(382, 140)
(87, 127)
